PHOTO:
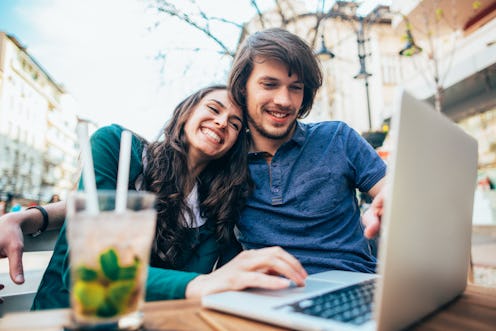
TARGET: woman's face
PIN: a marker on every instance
(213, 127)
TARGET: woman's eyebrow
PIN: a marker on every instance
(217, 102)
(222, 105)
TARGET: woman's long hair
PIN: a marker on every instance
(222, 186)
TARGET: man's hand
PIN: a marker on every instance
(261, 268)
(372, 216)
(12, 245)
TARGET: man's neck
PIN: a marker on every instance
(259, 143)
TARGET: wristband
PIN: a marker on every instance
(45, 221)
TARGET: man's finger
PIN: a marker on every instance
(372, 230)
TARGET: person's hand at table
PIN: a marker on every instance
(260, 268)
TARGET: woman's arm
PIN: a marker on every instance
(260, 268)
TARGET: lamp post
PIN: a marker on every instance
(348, 12)
(363, 74)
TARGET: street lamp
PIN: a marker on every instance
(323, 53)
(411, 48)
(363, 74)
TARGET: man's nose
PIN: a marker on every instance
(282, 97)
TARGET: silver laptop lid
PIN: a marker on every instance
(425, 242)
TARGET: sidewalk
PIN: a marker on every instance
(484, 254)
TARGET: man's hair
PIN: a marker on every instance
(280, 45)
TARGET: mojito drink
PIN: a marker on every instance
(109, 255)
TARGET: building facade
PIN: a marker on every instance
(458, 40)
(456, 61)
(38, 151)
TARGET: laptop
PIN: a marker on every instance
(425, 241)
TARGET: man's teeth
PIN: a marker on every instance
(278, 115)
(211, 134)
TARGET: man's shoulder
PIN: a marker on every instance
(325, 127)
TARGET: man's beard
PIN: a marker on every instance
(266, 134)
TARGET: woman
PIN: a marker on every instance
(199, 174)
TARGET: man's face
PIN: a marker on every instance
(273, 99)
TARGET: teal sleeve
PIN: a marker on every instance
(105, 149)
(167, 284)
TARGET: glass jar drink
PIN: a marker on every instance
(109, 254)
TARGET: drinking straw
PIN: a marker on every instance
(123, 172)
(88, 170)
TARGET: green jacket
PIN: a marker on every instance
(162, 284)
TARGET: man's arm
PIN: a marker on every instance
(372, 217)
(14, 225)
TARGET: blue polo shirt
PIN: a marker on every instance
(305, 200)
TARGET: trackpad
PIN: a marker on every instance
(310, 287)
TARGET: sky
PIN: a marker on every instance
(107, 54)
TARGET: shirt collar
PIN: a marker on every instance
(299, 136)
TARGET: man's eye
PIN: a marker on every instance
(269, 85)
(297, 87)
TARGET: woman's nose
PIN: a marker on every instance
(221, 120)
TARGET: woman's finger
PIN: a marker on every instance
(274, 260)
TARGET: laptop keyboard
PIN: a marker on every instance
(352, 304)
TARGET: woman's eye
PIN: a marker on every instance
(235, 126)
(215, 110)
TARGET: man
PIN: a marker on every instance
(305, 175)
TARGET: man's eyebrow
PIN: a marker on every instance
(267, 78)
(270, 78)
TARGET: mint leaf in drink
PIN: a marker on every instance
(110, 264)
(86, 274)
(129, 272)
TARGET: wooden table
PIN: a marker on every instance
(474, 310)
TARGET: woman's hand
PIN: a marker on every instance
(260, 268)
(12, 244)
